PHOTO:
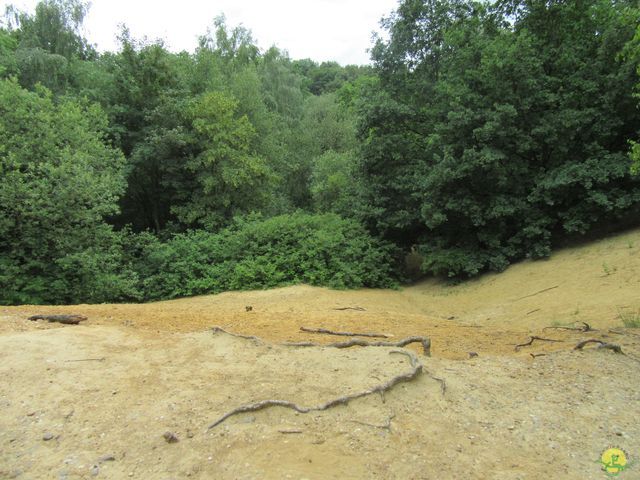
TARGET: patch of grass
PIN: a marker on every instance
(630, 319)
(608, 269)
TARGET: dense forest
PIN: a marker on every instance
(482, 133)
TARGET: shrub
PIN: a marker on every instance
(324, 250)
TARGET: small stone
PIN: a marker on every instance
(106, 458)
(47, 436)
(170, 437)
(190, 434)
(31, 414)
(95, 471)
(473, 354)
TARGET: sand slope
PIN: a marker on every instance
(115, 384)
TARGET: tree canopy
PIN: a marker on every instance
(482, 133)
(498, 129)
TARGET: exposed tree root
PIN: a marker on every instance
(386, 426)
(356, 342)
(537, 293)
(624, 333)
(424, 341)
(65, 319)
(101, 359)
(531, 340)
(416, 369)
(246, 337)
(343, 334)
(584, 328)
(610, 346)
(443, 384)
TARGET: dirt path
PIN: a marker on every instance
(113, 385)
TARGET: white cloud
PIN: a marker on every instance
(337, 30)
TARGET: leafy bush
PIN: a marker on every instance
(58, 180)
(298, 248)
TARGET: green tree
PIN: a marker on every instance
(228, 178)
(632, 52)
(334, 186)
(144, 93)
(8, 61)
(49, 43)
(59, 180)
(499, 129)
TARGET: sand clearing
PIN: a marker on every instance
(103, 393)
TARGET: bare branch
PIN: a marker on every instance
(585, 328)
(386, 426)
(601, 344)
(416, 369)
(624, 333)
(65, 319)
(356, 342)
(246, 337)
(531, 340)
(537, 293)
(343, 334)
(101, 359)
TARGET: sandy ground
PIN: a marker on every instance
(105, 392)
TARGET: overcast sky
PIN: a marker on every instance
(337, 30)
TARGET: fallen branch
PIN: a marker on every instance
(343, 334)
(65, 319)
(246, 337)
(416, 369)
(535, 355)
(386, 426)
(443, 384)
(537, 293)
(101, 359)
(359, 309)
(531, 340)
(356, 342)
(533, 311)
(585, 328)
(624, 333)
(610, 346)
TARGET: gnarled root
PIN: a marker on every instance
(416, 369)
